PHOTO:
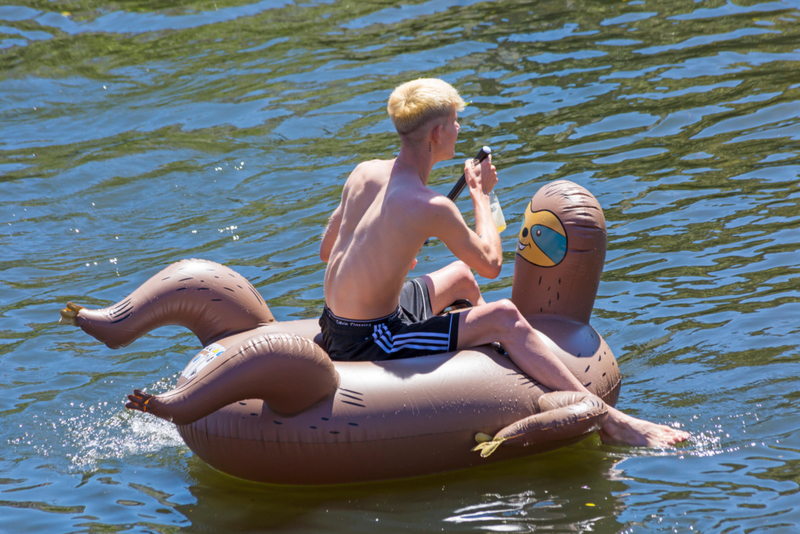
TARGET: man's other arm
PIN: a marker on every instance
(330, 235)
(335, 222)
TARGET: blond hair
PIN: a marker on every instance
(416, 102)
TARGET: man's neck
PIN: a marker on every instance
(417, 158)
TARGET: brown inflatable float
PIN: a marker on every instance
(262, 401)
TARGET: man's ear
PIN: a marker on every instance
(436, 133)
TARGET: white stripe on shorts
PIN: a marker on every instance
(432, 341)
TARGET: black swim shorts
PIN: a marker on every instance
(411, 330)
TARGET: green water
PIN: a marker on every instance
(134, 134)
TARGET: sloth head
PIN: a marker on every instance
(542, 239)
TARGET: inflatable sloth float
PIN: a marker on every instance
(263, 401)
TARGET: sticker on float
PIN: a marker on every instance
(203, 358)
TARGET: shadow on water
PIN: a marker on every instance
(571, 490)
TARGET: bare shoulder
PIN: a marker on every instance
(439, 215)
(440, 204)
(424, 206)
(368, 172)
(372, 169)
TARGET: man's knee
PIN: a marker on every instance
(467, 284)
(506, 316)
(461, 269)
(458, 271)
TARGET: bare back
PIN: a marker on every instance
(384, 213)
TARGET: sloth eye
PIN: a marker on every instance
(538, 233)
(524, 233)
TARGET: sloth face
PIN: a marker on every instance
(542, 239)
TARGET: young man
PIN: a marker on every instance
(386, 214)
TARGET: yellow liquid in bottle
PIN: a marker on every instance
(497, 212)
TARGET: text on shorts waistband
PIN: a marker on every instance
(357, 323)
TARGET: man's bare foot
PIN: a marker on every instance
(146, 403)
(622, 429)
(69, 315)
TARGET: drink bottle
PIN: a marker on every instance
(497, 212)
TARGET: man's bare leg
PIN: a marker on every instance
(502, 322)
(450, 284)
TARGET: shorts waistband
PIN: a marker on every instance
(356, 323)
